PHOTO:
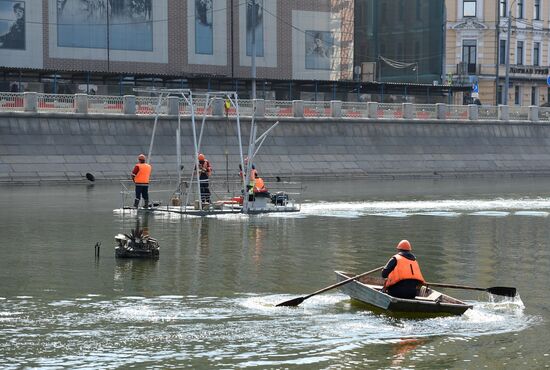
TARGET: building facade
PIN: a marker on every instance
(109, 44)
(477, 49)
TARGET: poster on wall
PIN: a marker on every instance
(204, 16)
(12, 25)
(86, 24)
(319, 47)
(255, 8)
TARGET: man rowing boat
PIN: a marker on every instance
(402, 273)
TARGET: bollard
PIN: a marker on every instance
(336, 108)
(298, 108)
(441, 110)
(503, 113)
(81, 103)
(217, 107)
(129, 104)
(408, 111)
(533, 113)
(30, 101)
(259, 107)
(473, 112)
(372, 109)
(173, 105)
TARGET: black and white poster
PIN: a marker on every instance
(12, 25)
(255, 22)
(318, 49)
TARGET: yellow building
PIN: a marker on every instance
(477, 47)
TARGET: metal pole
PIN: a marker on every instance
(253, 6)
(507, 78)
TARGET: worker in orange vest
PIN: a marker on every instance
(402, 273)
(141, 175)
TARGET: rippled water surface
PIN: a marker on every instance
(209, 301)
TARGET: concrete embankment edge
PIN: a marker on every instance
(37, 148)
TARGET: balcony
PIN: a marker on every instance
(467, 69)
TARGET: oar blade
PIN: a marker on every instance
(502, 290)
(291, 303)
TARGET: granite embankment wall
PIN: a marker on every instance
(36, 148)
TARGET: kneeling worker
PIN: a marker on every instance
(402, 273)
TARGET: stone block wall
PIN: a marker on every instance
(64, 147)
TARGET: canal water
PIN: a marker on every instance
(208, 302)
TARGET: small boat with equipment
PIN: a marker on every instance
(428, 302)
(137, 244)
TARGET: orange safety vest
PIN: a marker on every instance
(144, 172)
(259, 186)
(404, 270)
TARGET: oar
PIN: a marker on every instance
(497, 290)
(296, 301)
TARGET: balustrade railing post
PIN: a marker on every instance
(533, 113)
(473, 112)
(129, 104)
(173, 105)
(408, 112)
(30, 101)
(372, 109)
(81, 103)
(503, 113)
(259, 107)
(441, 110)
(336, 108)
(298, 108)
(217, 107)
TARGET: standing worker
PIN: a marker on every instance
(141, 174)
(253, 176)
(402, 273)
(205, 170)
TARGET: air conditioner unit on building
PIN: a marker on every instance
(368, 71)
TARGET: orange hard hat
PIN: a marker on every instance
(141, 157)
(404, 245)
(201, 157)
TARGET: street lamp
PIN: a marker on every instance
(507, 78)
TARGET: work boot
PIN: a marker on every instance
(136, 203)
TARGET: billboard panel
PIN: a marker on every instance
(12, 25)
(86, 24)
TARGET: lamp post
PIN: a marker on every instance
(507, 68)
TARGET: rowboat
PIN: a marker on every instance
(428, 302)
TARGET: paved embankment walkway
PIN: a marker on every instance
(64, 147)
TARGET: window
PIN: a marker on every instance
(520, 9)
(469, 51)
(500, 92)
(536, 54)
(502, 52)
(517, 95)
(534, 96)
(536, 12)
(469, 8)
(519, 53)
(503, 8)
(418, 10)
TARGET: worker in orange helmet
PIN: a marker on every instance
(402, 273)
(205, 171)
(141, 175)
(252, 178)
